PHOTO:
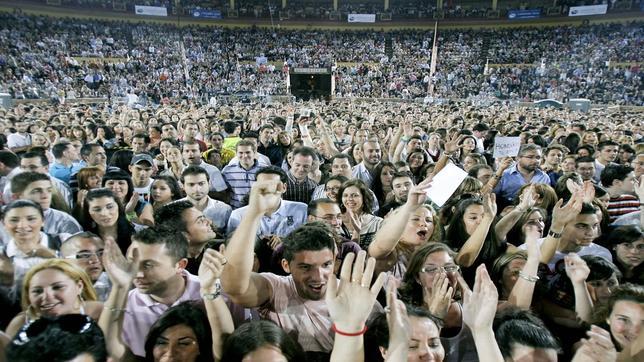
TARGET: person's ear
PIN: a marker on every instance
(182, 264)
(285, 266)
(383, 352)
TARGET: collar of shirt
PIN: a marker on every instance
(294, 180)
(192, 284)
(12, 249)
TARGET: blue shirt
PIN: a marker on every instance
(512, 180)
(239, 181)
(282, 222)
(62, 172)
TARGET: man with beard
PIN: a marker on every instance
(372, 156)
(295, 302)
(401, 183)
(525, 171)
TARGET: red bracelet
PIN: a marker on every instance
(335, 329)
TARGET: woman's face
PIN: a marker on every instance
(53, 293)
(265, 353)
(38, 141)
(568, 165)
(472, 217)
(104, 211)
(352, 198)
(630, 254)
(118, 187)
(590, 138)
(583, 152)
(510, 275)
(173, 155)
(434, 140)
(416, 160)
(419, 227)
(100, 132)
(78, 133)
(468, 163)
(331, 189)
(284, 138)
(164, 147)
(433, 264)
(176, 344)
(386, 176)
(535, 219)
(424, 341)
(94, 181)
(161, 191)
(23, 224)
(357, 153)
(469, 144)
(625, 321)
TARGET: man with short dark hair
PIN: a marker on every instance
(195, 183)
(607, 152)
(372, 155)
(142, 168)
(240, 175)
(554, 155)
(526, 170)
(479, 131)
(192, 156)
(619, 181)
(9, 167)
(300, 186)
(190, 132)
(585, 167)
(267, 145)
(140, 143)
(401, 183)
(64, 167)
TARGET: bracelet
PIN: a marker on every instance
(335, 329)
(531, 279)
(118, 310)
(555, 234)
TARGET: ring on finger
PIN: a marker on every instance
(224, 261)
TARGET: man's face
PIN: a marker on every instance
(266, 135)
(87, 253)
(414, 144)
(196, 186)
(329, 213)
(372, 153)
(530, 160)
(301, 166)
(401, 187)
(484, 175)
(628, 184)
(168, 131)
(71, 153)
(311, 271)
(584, 230)
(554, 157)
(217, 141)
(191, 154)
(341, 167)
(139, 145)
(586, 170)
(38, 192)
(246, 156)
(33, 164)
(198, 227)
(361, 136)
(141, 172)
(22, 126)
(638, 166)
(98, 157)
(609, 153)
(156, 268)
(190, 131)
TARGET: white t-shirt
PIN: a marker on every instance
(592, 249)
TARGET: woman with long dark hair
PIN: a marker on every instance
(103, 214)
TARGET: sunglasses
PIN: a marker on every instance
(72, 323)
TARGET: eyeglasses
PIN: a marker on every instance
(86, 255)
(72, 323)
(431, 270)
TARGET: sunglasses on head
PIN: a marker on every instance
(72, 323)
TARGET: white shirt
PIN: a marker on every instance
(591, 249)
(18, 140)
(288, 217)
(217, 182)
(218, 212)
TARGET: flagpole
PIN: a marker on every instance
(432, 67)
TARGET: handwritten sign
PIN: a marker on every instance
(506, 146)
(445, 183)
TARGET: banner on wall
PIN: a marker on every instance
(362, 18)
(205, 13)
(524, 14)
(588, 10)
(150, 10)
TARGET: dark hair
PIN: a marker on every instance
(19, 204)
(604, 144)
(87, 149)
(614, 172)
(561, 188)
(9, 159)
(342, 156)
(59, 148)
(313, 236)
(172, 183)
(230, 126)
(515, 235)
(600, 268)
(122, 159)
(252, 335)
(174, 240)
(124, 228)
(412, 292)
(144, 136)
(474, 171)
(571, 142)
(55, 344)
(34, 154)
(306, 151)
(120, 175)
(377, 186)
(367, 200)
(169, 215)
(457, 235)
(625, 292)
(22, 180)
(313, 205)
(513, 326)
(109, 134)
(273, 170)
(193, 170)
(189, 314)
(587, 209)
(585, 159)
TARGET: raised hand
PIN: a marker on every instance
(439, 298)
(120, 270)
(211, 267)
(505, 163)
(452, 144)
(576, 268)
(265, 196)
(565, 214)
(588, 191)
(351, 301)
(355, 223)
(398, 321)
(479, 305)
(527, 199)
(597, 348)
(531, 235)
(489, 204)
(417, 195)
(131, 204)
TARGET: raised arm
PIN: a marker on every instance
(221, 322)
(350, 302)
(578, 272)
(503, 227)
(494, 180)
(394, 143)
(399, 327)
(561, 216)
(392, 228)
(523, 290)
(238, 281)
(121, 273)
(472, 247)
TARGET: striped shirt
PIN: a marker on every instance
(299, 191)
(622, 205)
(239, 180)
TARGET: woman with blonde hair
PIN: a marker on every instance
(53, 288)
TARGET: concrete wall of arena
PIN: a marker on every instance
(53, 11)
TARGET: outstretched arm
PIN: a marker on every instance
(521, 294)
(472, 247)
(578, 272)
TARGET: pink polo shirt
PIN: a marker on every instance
(142, 311)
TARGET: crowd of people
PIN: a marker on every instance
(150, 63)
(316, 232)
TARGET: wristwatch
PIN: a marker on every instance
(216, 294)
